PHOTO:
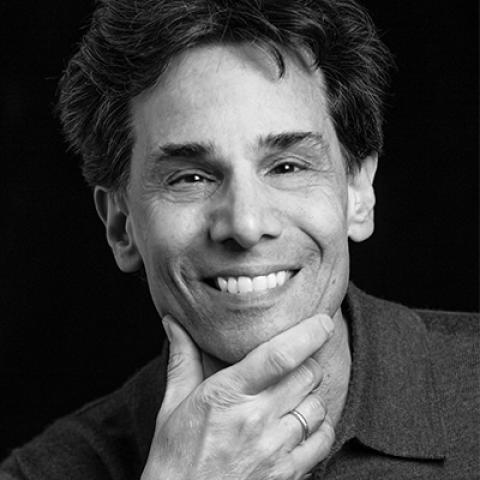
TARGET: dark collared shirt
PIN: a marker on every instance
(413, 402)
(412, 409)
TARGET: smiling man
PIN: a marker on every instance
(246, 170)
(232, 148)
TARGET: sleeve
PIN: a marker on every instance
(5, 475)
(108, 439)
(54, 455)
(87, 445)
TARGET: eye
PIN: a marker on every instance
(286, 167)
(188, 178)
(190, 184)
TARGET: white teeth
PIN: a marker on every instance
(272, 280)
(260, 283)
(223, 284)
(281, 277)
(245, 285)
(237, 285)
(232, 285)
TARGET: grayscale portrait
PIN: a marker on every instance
(242, 241)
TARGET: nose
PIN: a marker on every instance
(245, 214)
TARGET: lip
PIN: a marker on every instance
(250, 271)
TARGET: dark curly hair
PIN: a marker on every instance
(130, 43)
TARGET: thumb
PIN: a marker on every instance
(184, 371)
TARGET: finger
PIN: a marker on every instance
(294, 387)
(315, 449)
(272, 360)
(184, 371)
(312, 411)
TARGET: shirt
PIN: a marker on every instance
(412, 408)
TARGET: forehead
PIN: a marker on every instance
(229, 96)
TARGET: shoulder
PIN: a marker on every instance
(454, 350)
(107, 438)
(454, 339)
(435, 323)
(451, 323)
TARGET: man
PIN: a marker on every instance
(232, 148)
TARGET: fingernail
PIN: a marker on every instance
(166, 326)
(327, 323)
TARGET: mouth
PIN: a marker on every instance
(241, 285)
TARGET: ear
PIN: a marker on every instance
(361, 200)
(114, 214)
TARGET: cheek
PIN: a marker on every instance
(167, 264)
(166, 238)
(322, 215)
(170, 229)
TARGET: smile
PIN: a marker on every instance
(242, 284)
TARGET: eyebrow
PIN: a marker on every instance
(287, 140)
(182, 150)
(196, 150)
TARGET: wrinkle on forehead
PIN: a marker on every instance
(207, 60)
(248, 56)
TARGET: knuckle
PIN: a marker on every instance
(175, 363)
(281, 361)
(207, 393)
(306, 374)
(219, 394)
(317, 403)
(253, 423)
(313, 364)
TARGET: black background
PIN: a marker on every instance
(73, 327)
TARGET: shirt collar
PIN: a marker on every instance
(392, 405)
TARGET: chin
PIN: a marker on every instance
(229, 336)
(232, 350)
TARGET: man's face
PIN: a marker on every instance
(238, 197)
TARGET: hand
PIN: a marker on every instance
(236, 423)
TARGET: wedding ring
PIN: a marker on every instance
(303, 422)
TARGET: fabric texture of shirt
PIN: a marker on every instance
(412, 409)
